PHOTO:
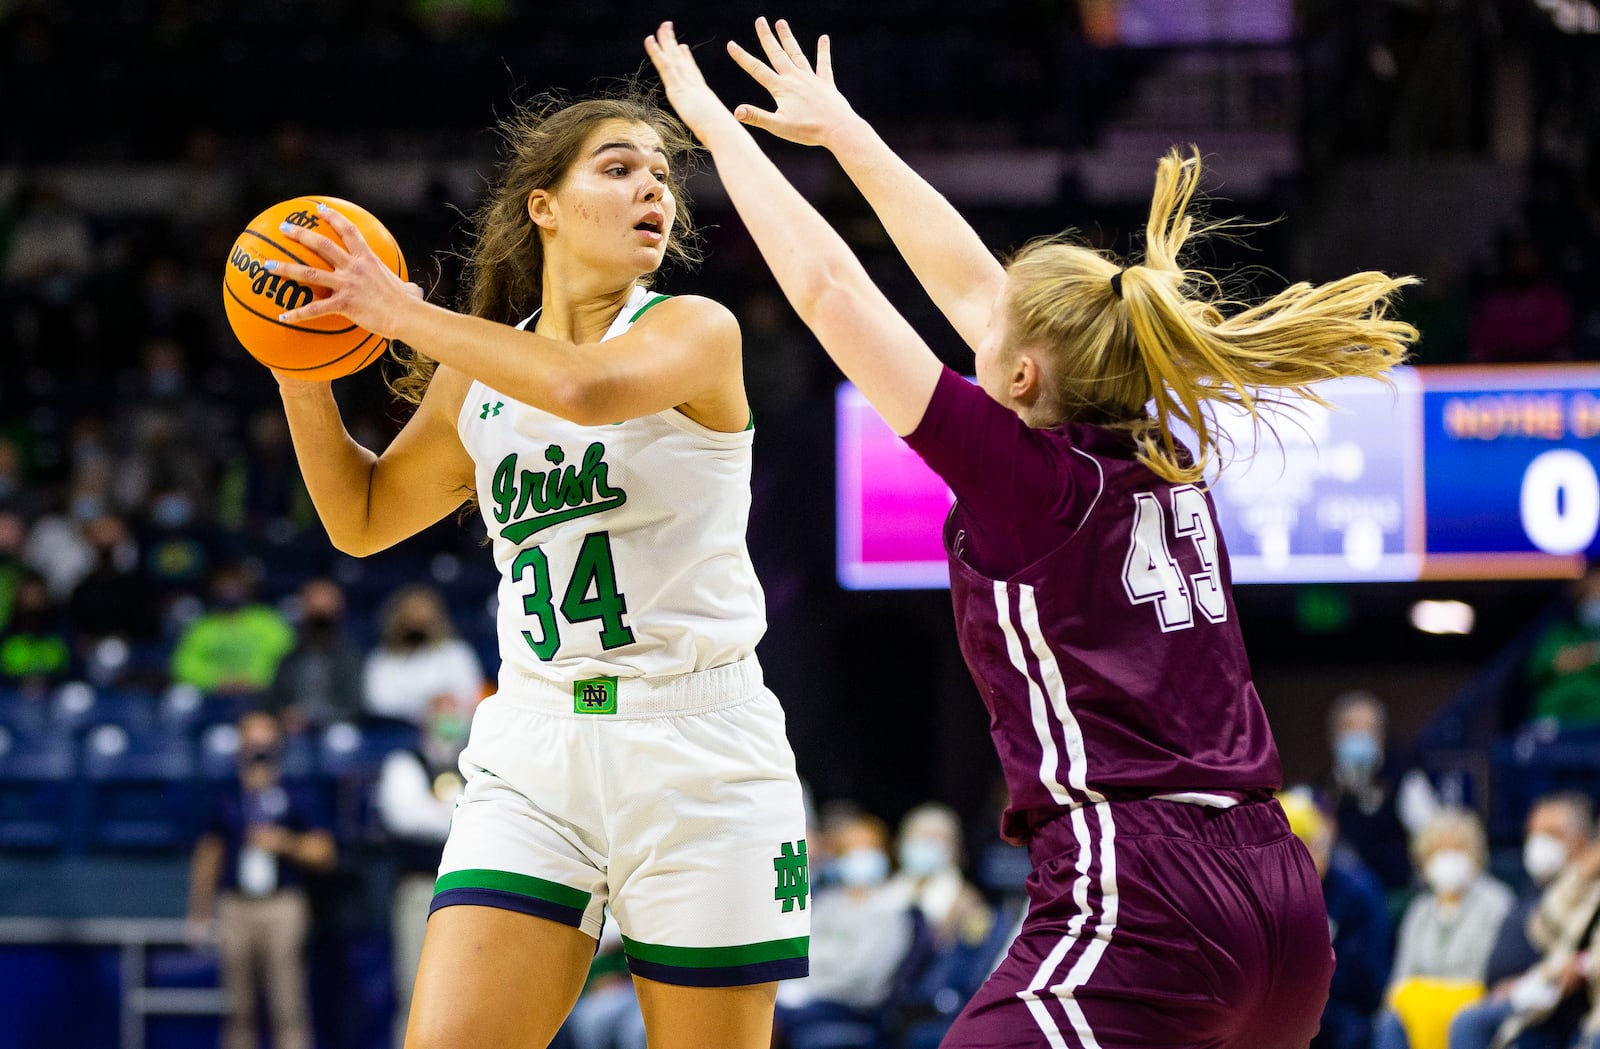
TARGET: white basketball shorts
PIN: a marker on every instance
(672, 800)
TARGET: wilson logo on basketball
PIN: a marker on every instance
(285, 294)
(303, 219)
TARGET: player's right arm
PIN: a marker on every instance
(369, 502)
(959, 273)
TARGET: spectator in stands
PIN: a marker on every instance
(1559, 833)
(35, 650)
(56, 546)
(416, 796)
(178, 549)
(261, 837)
(1554, 999)
(236, 645)
(862, 933)
(1442, 954)
(1358, 917)
(1375, 806)
(419, 658)
(930, 855)
(114, 599)
(1526, 315)
(1564, 667)
(319, 681)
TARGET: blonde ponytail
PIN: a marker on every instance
(1168, 334)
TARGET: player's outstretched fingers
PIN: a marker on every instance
(791, 45)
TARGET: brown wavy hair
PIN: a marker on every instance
(1173, 336)
(504, 271)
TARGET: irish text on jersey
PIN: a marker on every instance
(527, 501)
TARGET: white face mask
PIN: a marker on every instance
(1543, 856)
(921, 857)
(862, 867)
(1449, 871)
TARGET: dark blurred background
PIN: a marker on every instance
(143, 453)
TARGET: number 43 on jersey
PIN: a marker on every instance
(1150, 574)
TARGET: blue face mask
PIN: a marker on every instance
(1589, 613)
(1356, 752)
(862, 867)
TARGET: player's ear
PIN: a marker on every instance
(1025, 378)
(541, 209)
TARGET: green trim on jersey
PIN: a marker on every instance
(641, 310)
(718, 957)
(521, 884)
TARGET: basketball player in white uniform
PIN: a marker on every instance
(632, 757)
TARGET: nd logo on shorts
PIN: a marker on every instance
(596, 695)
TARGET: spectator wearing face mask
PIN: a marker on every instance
(1442, 954)
(419, 658)
(1376, 807)
(929, 850)
(1564, 668)
(319, 681)
(416, 797)
(235, 646)
(1559, 833)
(862, 931)
(246, 889)
(1358, 921)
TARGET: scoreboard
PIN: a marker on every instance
(1449, 473)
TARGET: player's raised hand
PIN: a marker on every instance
(363, 289)
(809, 106)
(697, 105)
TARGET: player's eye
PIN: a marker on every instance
(661, 175)
(617, 170)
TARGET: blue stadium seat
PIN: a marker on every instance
(37, 788)
(20, 711)
(346, 749)
(141, 789)
(349, 759)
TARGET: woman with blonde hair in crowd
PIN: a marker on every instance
(1442, 950)
(420, 657)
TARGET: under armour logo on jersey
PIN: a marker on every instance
(491, 409)
(793, 875)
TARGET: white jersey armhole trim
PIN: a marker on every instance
(1098, 469)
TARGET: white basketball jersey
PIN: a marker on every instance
(621, 548)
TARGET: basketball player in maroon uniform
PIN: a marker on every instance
(1169, 903)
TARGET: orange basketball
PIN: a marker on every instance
(323, 348)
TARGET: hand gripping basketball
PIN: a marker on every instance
(280, 293)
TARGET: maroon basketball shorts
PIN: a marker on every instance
(1161, 923)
